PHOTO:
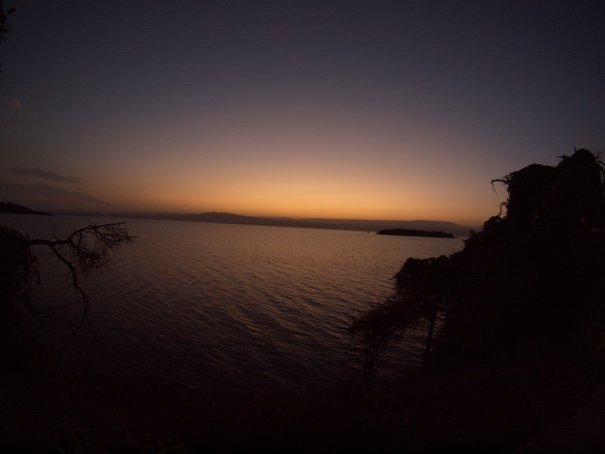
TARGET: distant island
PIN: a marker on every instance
(413, 232)
(7, 207)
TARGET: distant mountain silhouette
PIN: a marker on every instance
(340, 224)
(8, 207)
(314, 223)
(414, 232)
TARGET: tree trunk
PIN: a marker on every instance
(428, 345)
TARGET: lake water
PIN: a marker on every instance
(226, 307)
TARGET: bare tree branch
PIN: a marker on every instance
(86, 249)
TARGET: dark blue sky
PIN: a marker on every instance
(380, 109)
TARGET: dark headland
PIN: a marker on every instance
(8, 207)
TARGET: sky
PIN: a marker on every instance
(398, 110)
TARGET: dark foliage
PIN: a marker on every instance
(424, 288)
(18, 269)
(374, 330)
(427, 287)
(567, 196)
(532, 279)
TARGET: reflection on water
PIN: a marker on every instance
(218, 306)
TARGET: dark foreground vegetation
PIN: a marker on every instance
(493, 408)
(515, 344)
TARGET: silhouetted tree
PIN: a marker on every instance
(83, 250)
(426, 287)
(372, 333)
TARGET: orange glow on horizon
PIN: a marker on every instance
(312, 207)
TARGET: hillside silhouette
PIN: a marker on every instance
(533, 278)
(13, 208)
(530, 280)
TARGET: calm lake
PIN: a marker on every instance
(222, 306)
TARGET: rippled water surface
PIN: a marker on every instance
(219, 306)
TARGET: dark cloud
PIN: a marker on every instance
(44, 190)
(46, 174)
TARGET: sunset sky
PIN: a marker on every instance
(340, 109)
